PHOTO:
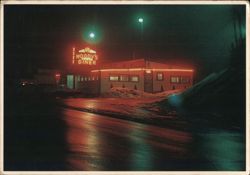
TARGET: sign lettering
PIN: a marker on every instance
(85, 56)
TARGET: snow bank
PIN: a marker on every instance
(220, 96)
(131, 93)
(198, 94)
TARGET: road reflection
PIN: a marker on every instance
(102, 143)
(141, 152)
(41, 135)
(83, 140)
(225, 150)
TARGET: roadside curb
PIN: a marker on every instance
(168, 123)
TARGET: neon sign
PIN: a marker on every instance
(85, 56)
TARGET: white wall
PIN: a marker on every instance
(167, 85)
(106, 83)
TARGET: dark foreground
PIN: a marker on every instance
(40, 135)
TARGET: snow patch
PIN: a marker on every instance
(132, 93)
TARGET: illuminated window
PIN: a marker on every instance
(113, 77)
(185, 79)
(134, 78)
(159, 76)
(124, 78)
(93, 78)
(85, 78)
(175, 80)
(81, 78)
(89, 78)
(97, 78)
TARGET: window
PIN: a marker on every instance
(175, 80)
(185, 79)
(159, 76)
(70, 81)
(134, 78)
(124, 78)
(113, 77)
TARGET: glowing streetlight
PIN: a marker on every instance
(140, 20)
(92, 35)
(141, 24)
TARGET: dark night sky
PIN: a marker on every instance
(43, 35)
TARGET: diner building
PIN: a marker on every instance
(93, 78)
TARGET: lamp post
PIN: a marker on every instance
(140, 20)
(92, 37)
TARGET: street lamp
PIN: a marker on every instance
(92, 35)
(140, 20)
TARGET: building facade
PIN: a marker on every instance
(140, 74)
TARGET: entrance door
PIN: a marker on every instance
(70, 81)
(148, 81)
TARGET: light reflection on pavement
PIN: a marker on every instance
(102, 143)
(48, 135)
(98, 142)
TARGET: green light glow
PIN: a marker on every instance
(225, 149)
(92, 34)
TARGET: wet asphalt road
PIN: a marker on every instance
(102, 143)
(39, 135)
